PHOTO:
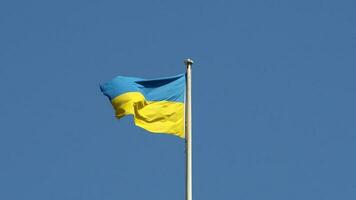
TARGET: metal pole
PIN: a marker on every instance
(188, 130)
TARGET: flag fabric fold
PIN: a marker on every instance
(157, 105)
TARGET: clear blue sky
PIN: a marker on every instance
(274, 94)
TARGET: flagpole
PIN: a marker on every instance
(188, 130)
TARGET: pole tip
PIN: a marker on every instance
(188, 61)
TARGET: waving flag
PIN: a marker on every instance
(156, 104)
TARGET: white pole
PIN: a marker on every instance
(188, 130)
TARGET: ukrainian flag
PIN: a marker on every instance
(156, 104)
